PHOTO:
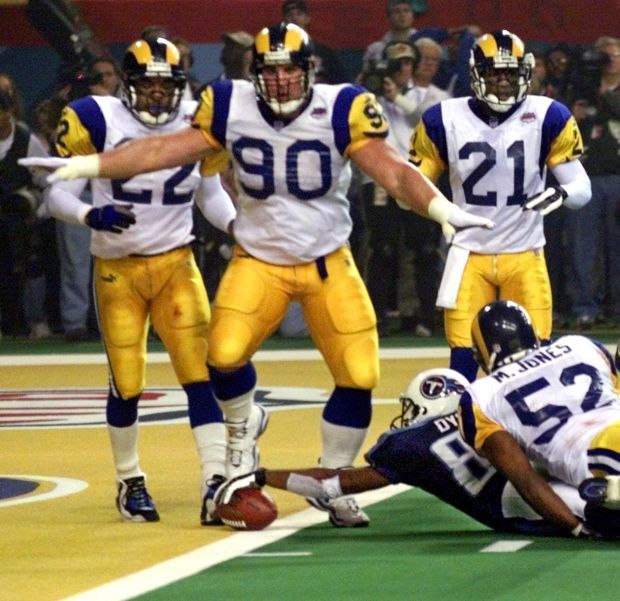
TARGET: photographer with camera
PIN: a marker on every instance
(594, 233)
(394, 235)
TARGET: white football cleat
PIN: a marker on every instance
(242, 453)
(344, 512)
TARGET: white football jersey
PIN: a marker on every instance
(553, 402)
(496, 164)
(162, 200)
(292, 177)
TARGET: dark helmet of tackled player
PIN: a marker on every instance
(145, 62)
(502, 332)
(431, 393)
(500, 51)
(283, 44)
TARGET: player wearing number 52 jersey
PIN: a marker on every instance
(144, 267)
(554, 406)
(290, 143)
(497, 147)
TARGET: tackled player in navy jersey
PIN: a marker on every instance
(498, 147)
(144, 267)
(290, 143)
(423, 448)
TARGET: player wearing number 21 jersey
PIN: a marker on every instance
(497, 147)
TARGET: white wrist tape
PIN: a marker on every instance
(86, 166)
(439, 209)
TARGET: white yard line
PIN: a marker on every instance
(235, 545)
(506, 546)
(432, 352)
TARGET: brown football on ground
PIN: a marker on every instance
(249, 508)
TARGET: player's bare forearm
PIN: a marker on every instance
(503, 451)
(402, 180)
(153, 153)
(353, 480)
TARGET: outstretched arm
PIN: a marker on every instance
(319, 483)
(503, 451)
(140, 155)
(405, 183)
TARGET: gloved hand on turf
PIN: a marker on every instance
(225, 491)
(111, 218)
(547, 201)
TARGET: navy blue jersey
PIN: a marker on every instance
(432, 456)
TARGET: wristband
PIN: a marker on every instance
(576, 531)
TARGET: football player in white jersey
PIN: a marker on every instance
(554, 406)
(290, 143)
(144, 268)
(497, 147)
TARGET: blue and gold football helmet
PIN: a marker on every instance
(432, 393)
(147, 62)
(502, 332)
(500, 51)
(282, 44)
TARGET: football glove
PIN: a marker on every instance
(225, 491)
(547, 201)
(451, 217)
(111, 218)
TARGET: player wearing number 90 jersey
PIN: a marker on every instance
(289, 143)
(498, 147)
(145, 270)
(292, 205)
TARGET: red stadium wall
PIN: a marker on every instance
(338, 23)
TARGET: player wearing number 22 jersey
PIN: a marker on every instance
(145, 271)
(497, 147)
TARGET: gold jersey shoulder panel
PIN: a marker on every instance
(218, 159)
(72, 137)
(567, 146)
(484, 427)
(424, 154)
(366, 121)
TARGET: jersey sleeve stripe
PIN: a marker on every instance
(91, 117)
(436, 131)
(554, 122)
(340, 116)
(222, 91)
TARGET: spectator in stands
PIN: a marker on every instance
(328, 66)
(420, 262)
(594, 232)
(453, 73)
(152, 32)
(400, 17)
(236, 55)
(187, 62)
(104, 77)
(559, 61)
(20, 196)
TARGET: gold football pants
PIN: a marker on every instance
(167, 289)
(520, 277)
(253, 297)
